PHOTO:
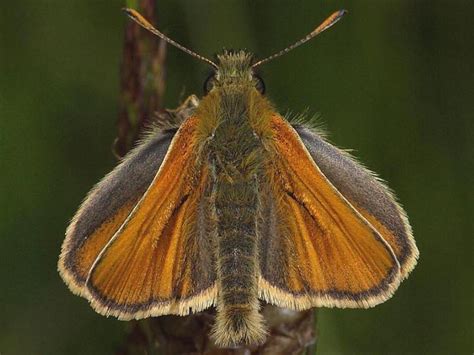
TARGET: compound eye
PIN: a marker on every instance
(259, 84)
(209, 83)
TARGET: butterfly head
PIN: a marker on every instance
(234, 70)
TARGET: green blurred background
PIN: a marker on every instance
(393, 81)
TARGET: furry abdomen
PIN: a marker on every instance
(235, 156)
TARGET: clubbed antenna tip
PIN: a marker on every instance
(331, 20)
(138, 18)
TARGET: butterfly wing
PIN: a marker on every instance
(151, 256)
(316, 249)
(107, 206)
(367, 194)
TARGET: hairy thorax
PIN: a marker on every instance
(236, 132)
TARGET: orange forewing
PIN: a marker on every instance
(107, 206)
(366, 193)
(150, 265)
(335, 257)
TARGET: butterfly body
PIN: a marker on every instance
(232, 125)
(232, 207)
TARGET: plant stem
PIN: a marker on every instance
(142, 79)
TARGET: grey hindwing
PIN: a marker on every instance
(127, 182)
(361, 186)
